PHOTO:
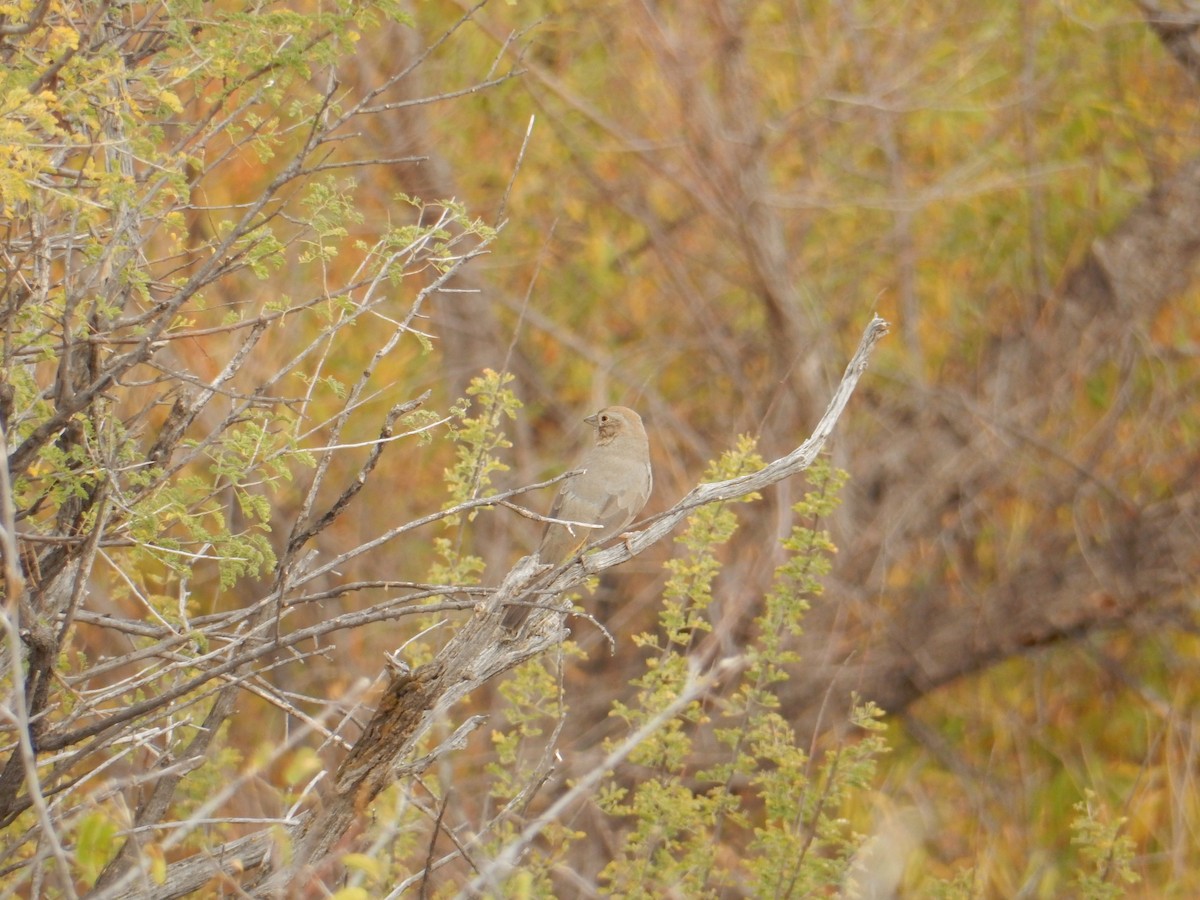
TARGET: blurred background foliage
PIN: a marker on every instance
(713, 201)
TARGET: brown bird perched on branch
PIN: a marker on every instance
(612, 489)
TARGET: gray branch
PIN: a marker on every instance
(479, 651)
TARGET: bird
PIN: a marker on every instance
(612, 488)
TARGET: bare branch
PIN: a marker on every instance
(473, 656)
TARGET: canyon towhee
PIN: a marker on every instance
(612, 490)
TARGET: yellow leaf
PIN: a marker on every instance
(158, 863)
(363, 863)
(94, 842)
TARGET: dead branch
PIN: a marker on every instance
(479, 651)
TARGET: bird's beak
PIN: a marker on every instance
(593, 419)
